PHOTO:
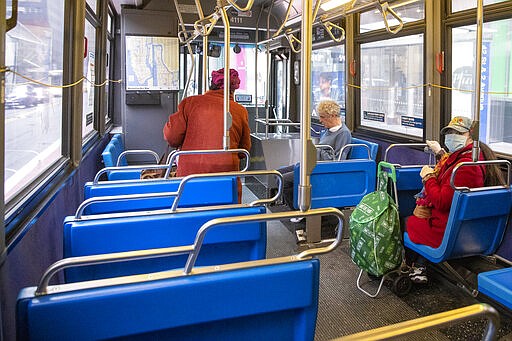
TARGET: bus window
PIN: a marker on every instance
(328, 76)
(391, 85)
(496, 82)
(461, 5)
(33, 113)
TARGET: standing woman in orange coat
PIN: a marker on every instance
(199, 125)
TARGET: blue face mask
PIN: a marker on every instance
(454, 142)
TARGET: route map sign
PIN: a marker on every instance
(152, 63)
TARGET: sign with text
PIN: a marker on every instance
(373, 116)
(410, 121)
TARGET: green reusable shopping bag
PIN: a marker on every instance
(375, 243)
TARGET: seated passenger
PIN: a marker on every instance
(336, 135)
(428, 223)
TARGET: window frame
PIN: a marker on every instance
(411, 28)
(492, 12)
(21, 210)
(26, 205)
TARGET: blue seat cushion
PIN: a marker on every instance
(497, 284)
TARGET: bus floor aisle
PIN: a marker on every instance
(344, 310)
(280, 241)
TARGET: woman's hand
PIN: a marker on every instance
(434, 146)
(426, 173)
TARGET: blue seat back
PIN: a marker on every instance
(196, 192)
(270, 302)
(496, 285)
(338, 183)
(408, 183)
(476, 225)
(118, 149)
(118, 137)
(108, 154)
(361, 152)
(225, 244)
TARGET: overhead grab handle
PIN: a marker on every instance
(329, 26)
(292, 40)
(245, 9)
(205, 26)
(186, 37)
(287, 15)
(386, 10)
(11, 22)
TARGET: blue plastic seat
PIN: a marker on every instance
(144, 231)
(110, 157)
(408, 184)
(476, 225)
(497, 284)
(197, 192)
(119, 138)
(266, 302)
(361, 152)
(339, 183)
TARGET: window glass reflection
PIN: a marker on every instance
(496, 82)
(391, 85)
(373, 20)
(328, 76)
(461, 5)
(33, 112)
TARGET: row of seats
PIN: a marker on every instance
(163, 303)
(178, 303)
(476, 226)
(154, 221)
(104, 297)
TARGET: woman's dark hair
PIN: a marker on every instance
(493, 174)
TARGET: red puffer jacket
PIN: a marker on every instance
(440, 194)
(198, 125)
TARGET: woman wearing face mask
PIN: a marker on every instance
(428, 229)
